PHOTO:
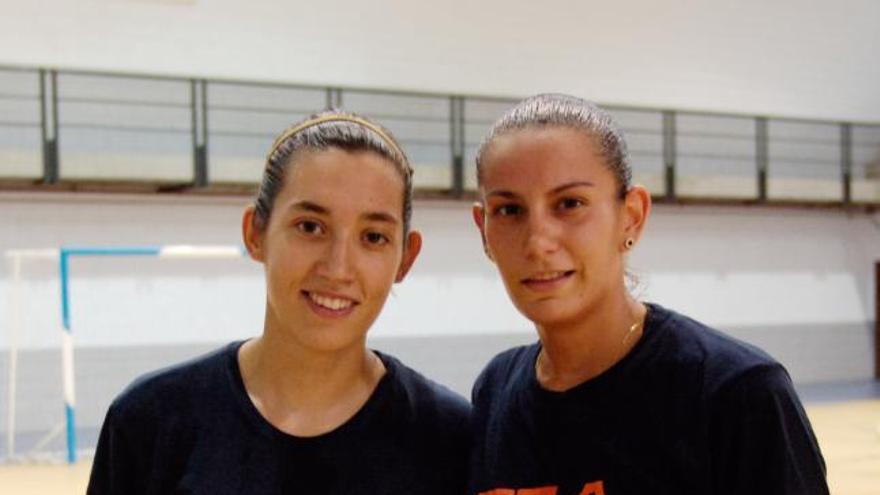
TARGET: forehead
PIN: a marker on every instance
(345, 181)
(543, 156)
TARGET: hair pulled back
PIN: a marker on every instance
(329, 129)
(554, 109)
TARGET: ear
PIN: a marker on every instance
(636, 208)
(411, 249)
(478, 211)
(252, 235)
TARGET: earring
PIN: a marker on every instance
(629, 243)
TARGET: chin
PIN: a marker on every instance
(326, 342)
(551, 313)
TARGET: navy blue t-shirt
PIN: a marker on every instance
(688, 411)
(192, 429)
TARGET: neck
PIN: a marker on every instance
(306, 392)
(574, 352)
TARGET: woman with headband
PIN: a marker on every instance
(305, 407)
(618, 397)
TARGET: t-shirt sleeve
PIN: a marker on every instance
(113, 469)
(761, 439)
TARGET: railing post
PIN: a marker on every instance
(456, 142)
(49, 124)
(333, 98)
(669, 153)
(761, 156)
(199, 112)
(846, 161)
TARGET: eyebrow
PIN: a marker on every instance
(373, 216)
(381, 216)
(555, 190)
(569, 185)
(309, 206)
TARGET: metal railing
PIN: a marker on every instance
(66, 127)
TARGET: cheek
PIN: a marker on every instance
(284, 272)
(501, 239)
(508, 259)
(288, 260)
(595, 247)
(598, 227)
(380, 269)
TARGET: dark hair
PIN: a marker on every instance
(329, 129)
(553, 109)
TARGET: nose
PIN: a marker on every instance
(541, 237)
(337, 264)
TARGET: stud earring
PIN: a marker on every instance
(629, 243)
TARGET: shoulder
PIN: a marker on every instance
(718, 358)
(423, 396)
(759, 435)
(507, 368)
(174, 388)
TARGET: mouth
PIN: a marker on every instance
(331, 305)
(547, 280)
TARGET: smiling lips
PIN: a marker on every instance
(547, 280)
(330, 305)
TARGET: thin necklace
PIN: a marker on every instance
(623, 345)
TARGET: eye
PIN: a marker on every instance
(570, 204)
(376, 238)
(507, 210)
(310, 227)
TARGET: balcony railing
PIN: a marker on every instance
(70, 130)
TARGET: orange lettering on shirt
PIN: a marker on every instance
(544, 490)
(594, 488)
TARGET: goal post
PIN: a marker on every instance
(16, 258)
(63, 258)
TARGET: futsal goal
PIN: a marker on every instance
(81, 322)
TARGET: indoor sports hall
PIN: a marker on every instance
(133, 133)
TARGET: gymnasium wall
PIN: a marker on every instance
(785, 57)
(797, 282)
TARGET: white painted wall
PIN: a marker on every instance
(123, 301)
(782, 57)
(738, 267)
(730, 267)
(760, 267)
